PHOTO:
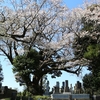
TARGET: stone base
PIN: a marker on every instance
(60, 96)
(69, 96)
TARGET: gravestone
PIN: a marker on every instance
(66, 88)
(75, 88)
(78, 87)
(57, 87)
(62, 88)
(53, 89)
(71, 88)
(63, 85)
(47, 88)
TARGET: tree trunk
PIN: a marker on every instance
(35, 88)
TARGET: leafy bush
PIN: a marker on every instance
(41, 97)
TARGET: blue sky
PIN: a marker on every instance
(9, 76)
(73, 3)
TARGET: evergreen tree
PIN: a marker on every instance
(91, 84)
(87, 44)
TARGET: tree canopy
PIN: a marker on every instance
(91, 84)
(26, 68)
(87, 44)
(38, 35)
(46, 28)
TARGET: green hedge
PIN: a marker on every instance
(41, 97)
(34, 98)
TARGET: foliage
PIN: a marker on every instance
(92, 52)
(37, 38)
(41, 97)
(86, 46)
(6, 98)
(26, 66)
(91, 83)
(87, 43)
(26, 63)
(35, 97)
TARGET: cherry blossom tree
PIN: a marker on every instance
(46, 26)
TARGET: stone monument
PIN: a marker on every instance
(62, 88)
(47, 88)
(66, 88)
(71, 88)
